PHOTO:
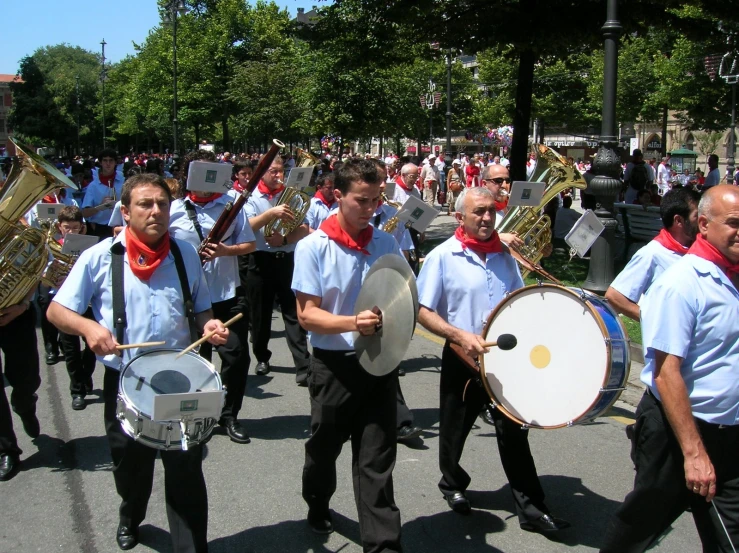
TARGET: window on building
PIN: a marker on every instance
(2, 125)
(8, 99)
(690, 142)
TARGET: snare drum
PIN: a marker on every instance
(156, 372)
(571, 361)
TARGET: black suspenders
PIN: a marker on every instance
(119, 300)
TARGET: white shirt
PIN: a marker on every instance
(257, 204)
(335, 274)
(663, 174)
(647, 265)
(430, 173)
(402, 236)
(318, 212)
(155, 310)
(96, 193)
(401, 195)
(222, 273)
(565, 220)
(456, 284)
(691, 312)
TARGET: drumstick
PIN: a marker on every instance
(504, 342)
(141, 345)
(208, 336)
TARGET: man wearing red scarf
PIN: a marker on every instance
(101, 195)
(322, 203)
(679, 212)
(686, 440)
(346, 401)
(155, 310)
(461, 282)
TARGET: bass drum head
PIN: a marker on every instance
(554, 374)
(157, 372)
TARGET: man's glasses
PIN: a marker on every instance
(498, 180)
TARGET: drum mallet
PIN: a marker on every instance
(504, 342)
(141, 345)
(208, 336)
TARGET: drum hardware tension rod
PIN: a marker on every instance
(208, 336)
(141, 345)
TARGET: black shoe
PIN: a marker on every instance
(126, 537)
(8, 466)
(263, 368)
(52, 358)
(408, 432)
(401, 372)
(545, 524)
(236, 432)
(78, 403)
(458, 503)
(486, 416)
(31, 425)
(320, 521)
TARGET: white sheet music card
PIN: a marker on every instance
(46, 212)
(417, 213)
(75, 244)
(299, 177)
(584, 233)
(207, 176)
(526, 193)
(390, 188)
(176, 407)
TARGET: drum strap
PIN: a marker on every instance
(194, 219)
(119, 299)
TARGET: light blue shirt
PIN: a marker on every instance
(96, 193)
(461, 289)
(222, 273)
(257, 204)
(155, 310)
(318, 212)
(401, 234)
(691, 312)
(647, 265)
(712, 178)
(335, 274)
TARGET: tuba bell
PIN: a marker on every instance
(299, 203)
(24, 251)
(534, 229)
(304, 158)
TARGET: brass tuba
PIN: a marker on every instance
(303, 158)
(299, 203)
(531, 226)
(24, 251)
(392, 223)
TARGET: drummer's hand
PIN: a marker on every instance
(100, 340)
(221, 335)
(511, 239)
(213, 250)
(471, 344)
(366, 322)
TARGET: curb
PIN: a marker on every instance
(637, 352)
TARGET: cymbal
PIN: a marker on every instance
(386, 289)
(394, 261)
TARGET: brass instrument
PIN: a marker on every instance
(392, 223)
(533, 228)
(24, 251)
(299, 203)
(303, 158)
(62, 263)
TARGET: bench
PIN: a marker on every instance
(639, 224)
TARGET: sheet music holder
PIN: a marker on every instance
(207, 176)
(584, 233)
(299, 177)
(525, 193)
(196, 405)
(48, 212)
(416, 214)
(390, 189)
(75, 244)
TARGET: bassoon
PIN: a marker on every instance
(231, 209)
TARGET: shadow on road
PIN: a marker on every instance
(278, 428)
(425, 361)
(90, 453)
(448, 531)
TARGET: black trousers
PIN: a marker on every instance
(349, 403)
(98, 229)
(234, 356)
(80, 362)
(48, 330)
(457, 416)
(660, 494)
(270, 275)
(404, 416)
(22, 371)
(133, 472)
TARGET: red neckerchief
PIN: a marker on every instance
(491, 245)
(703, 248)
(666, 240)
(193, 197)
(141, 258)
(50, 199)
(333, 230)
(107, 180)
(500, 206)
(320, 196)
(237, 186)
(400, 182)
(267, 192)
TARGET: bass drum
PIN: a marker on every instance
(571, 361)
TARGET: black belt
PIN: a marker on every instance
(274, 255)
(320, 352)
(700, 422)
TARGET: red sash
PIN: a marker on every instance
(703, 248)
(666, 240)
(267, 192)
(141, 258)
(333, 230)
(491, 245)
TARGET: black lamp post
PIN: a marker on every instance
(103, 77)
(449, 153)
(77, 87)
(172, 11)
(607, 163)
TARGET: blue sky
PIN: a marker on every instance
(28, 25)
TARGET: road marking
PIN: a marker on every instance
(437, 340)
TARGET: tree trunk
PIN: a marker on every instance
(226, 133)
(664, 131)
(397, 146)
(522, 115)
(197, 135)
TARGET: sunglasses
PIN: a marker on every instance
(498, 180)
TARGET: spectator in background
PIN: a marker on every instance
(565, 220)
(713, 177)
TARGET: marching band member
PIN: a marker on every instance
(406, 184)
(679, 212)
(101, 194)
(191, 220)
(270, 272)
(154, 302)
(687, 429)
(346, 401)
(322, 203)
(461, 282)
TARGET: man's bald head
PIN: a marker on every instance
(718, 220)
(409, 168)
(715, 198)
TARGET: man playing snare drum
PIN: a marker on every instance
(154, 310)
(461, 282)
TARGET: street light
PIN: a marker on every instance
(607, 163)
(103, 77)
(449, 153)
(77, 87)
(430, 100)
(172, 11)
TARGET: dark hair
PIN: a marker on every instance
(195, 155)
(679, 201)
(355, 170)
(77, 169)
(136, 181)
(107, 152)
(70, 214)
(567, 201)
(239, 165)
(324, 178)
(154, 165)
(133, 170)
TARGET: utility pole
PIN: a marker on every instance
(77, 87)
(449, 153)
(103, 76)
